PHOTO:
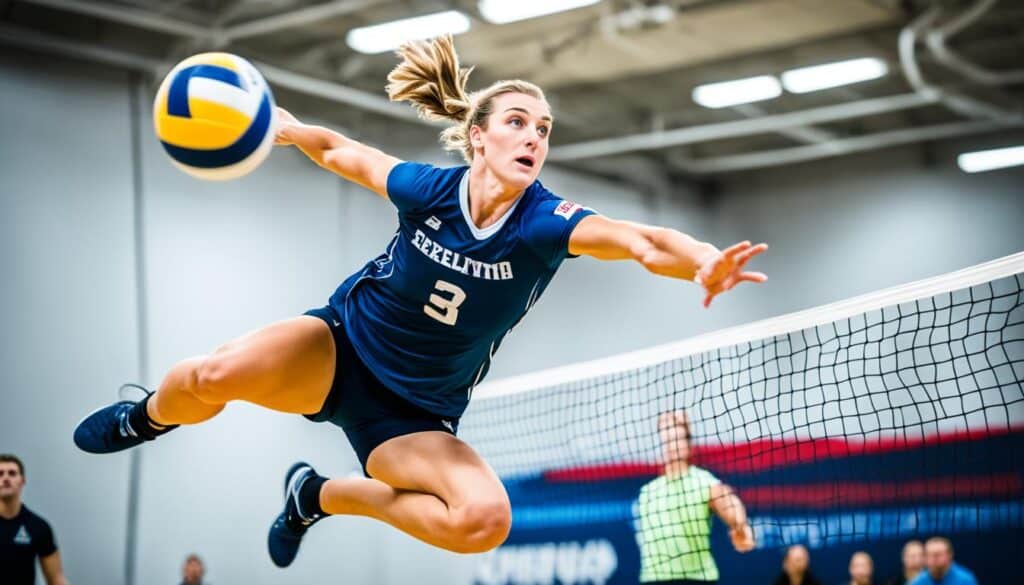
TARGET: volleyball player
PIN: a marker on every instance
(674, 514)
(395, 355)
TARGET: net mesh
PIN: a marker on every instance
(863, 426)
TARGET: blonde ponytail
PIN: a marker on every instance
(430, 78)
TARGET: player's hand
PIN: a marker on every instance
(724, 270)
(286, 124)
(742, 538)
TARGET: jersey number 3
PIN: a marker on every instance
(444, 309)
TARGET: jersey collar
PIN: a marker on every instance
(481, 234)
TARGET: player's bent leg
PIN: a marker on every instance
(432, 486)
(287, 366)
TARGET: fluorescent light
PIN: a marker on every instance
(505, 11)
(988, 160)
(739, 91)
(388, 36)
(807, 79)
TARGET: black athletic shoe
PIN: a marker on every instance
(291, 525)
(107, 430)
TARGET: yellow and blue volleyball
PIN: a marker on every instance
(214, 116)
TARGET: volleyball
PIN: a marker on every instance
(214, 116)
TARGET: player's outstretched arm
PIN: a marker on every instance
(730, 509)
(667, 252)
(339, 154)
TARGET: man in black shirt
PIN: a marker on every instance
(23, 535)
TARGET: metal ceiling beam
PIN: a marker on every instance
(275, 75)
(937, 40)
(43, 43)
(292, 18)
(739, 128)
(338, 93)
(160, 23)
(958, 102)
(785, 156)
(125, 15)
(805, 134)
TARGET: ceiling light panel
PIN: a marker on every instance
(990, 160)
(828, 75)
(388, 36)
(505, 11)
(736, 92)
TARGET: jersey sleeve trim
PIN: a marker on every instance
(563, 245)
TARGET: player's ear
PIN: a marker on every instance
(476, 139)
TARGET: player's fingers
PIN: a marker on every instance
(282, 136)
(745, 255)
(753, 276)
(736, 248)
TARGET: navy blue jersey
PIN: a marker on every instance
(427, 315)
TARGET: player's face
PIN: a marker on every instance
(675, 438)
(11, 480)
(796, 561)
(861, 568)
(913, 557)
(515, 144)
(193, 572)
(937, 558)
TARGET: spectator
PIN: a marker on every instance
(796, 568)
(193, 571)
(24, 536)
(913, 563)
(862, 569)
(939, 566)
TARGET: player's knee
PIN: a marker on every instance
(483, 525)
(213, 379)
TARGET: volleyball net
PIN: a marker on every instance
(853, 426)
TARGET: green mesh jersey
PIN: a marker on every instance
(674, 528)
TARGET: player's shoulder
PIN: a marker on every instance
(654, 485)
(545, 212)
(414, 186)
(32, 519)
(701, 474)
(963, 574)
(29, 514)
(541, 199)
(412, 171)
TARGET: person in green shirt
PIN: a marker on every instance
(674, 514)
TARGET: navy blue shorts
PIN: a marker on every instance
(368, 412)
